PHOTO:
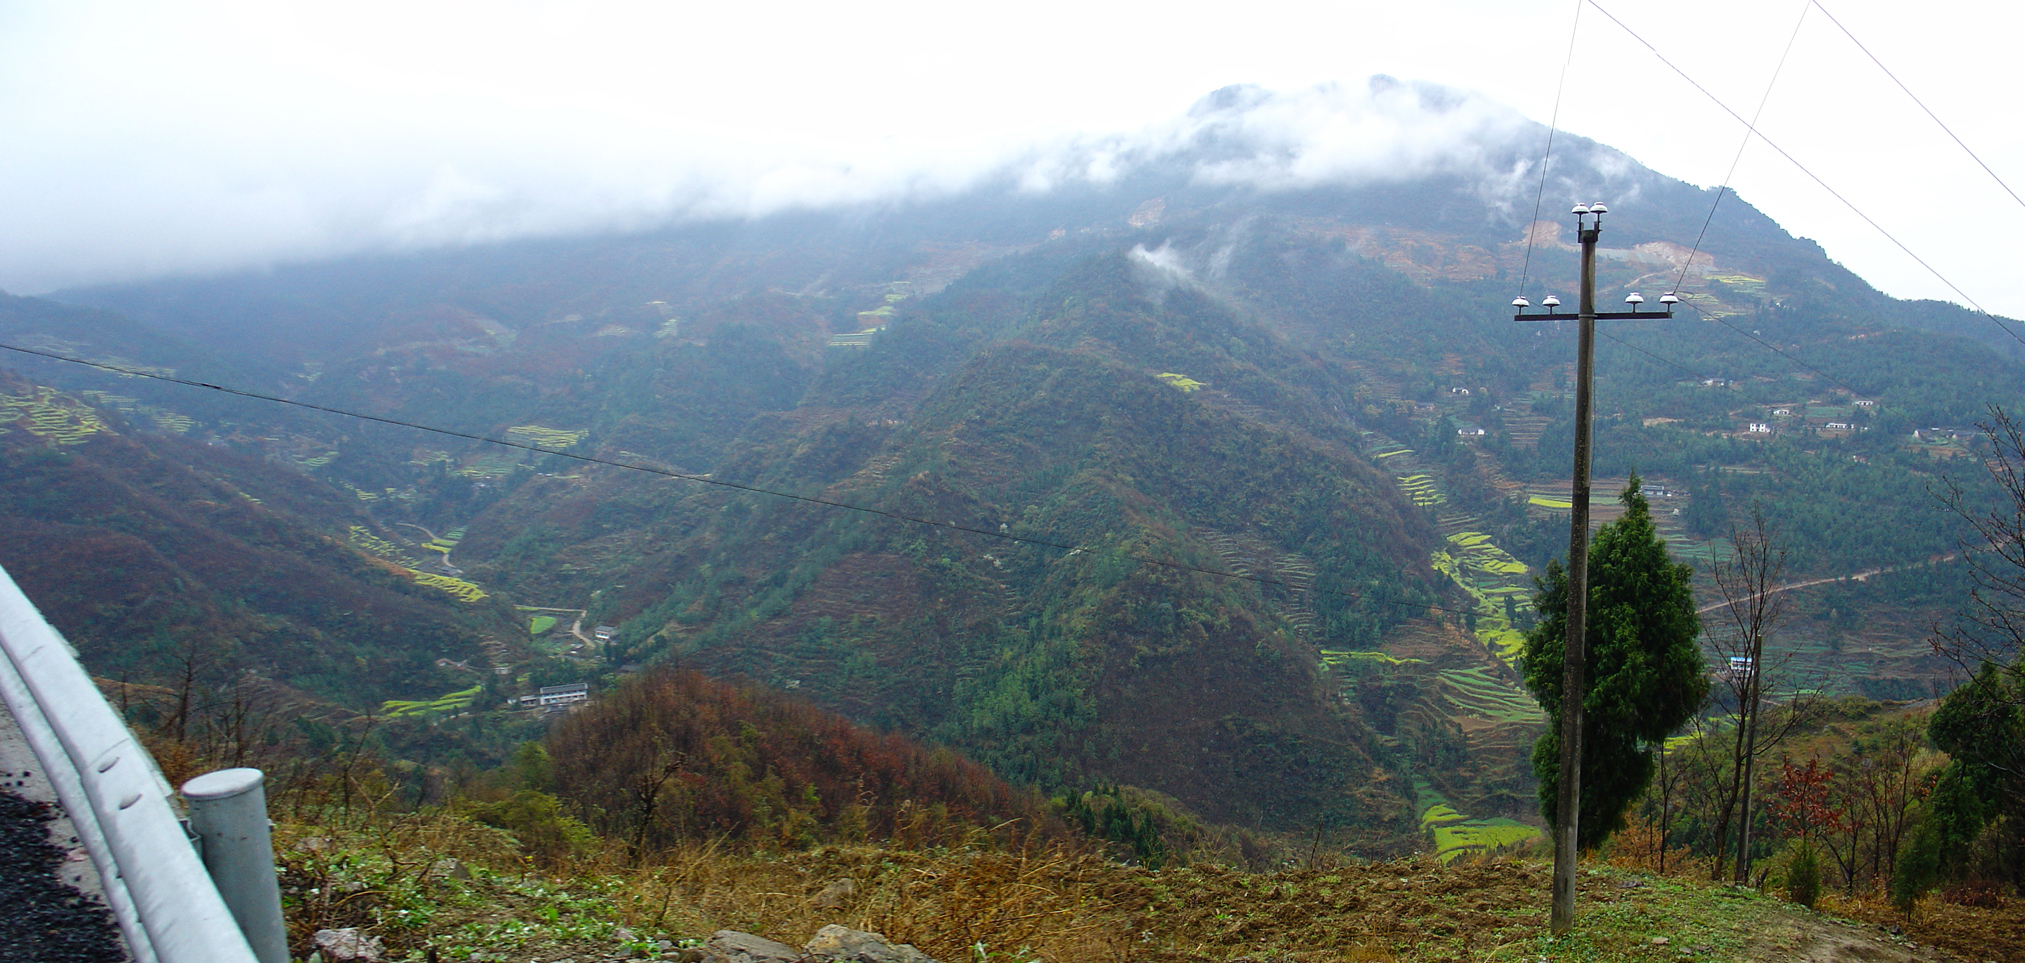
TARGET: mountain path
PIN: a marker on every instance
(1861, 576)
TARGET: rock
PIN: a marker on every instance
(837, 895)
(347, 945)
(622, 935)
(451, 868)
(1659, 941)
(688, 955)
(731, 946)
(838, 944)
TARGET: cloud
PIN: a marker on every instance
(1160, 270)
(242, 137)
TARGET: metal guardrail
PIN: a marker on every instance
(155, 884)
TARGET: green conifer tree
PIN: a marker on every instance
(1646, 675)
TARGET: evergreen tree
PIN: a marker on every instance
(1646, 676)
(1982, 725)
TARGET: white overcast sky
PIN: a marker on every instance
(139, 139)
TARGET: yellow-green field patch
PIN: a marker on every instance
(453, 702)
(1334, 657)
(1478, 836)
(1422, 490)
(48, 415)
(555, 439)
(457, 588)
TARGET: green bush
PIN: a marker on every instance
(1803, 874)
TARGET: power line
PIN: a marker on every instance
(1812, 176)
(1553, 124)
(1752, 128)
(1775, 349)
(1922, 104)
(752, 489)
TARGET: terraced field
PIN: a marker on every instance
(1333, 658)
(555, 439)
(1422, 490)
(386, 551)
(456, 588)
(1498, 585)
(441, 705)
(1475, 692)
(1455, 835)
(490, 463)
(365, 541)
(51, 416)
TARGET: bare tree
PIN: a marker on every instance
(1752, 608)
(1992, 630)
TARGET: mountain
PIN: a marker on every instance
(1212, 463)
(163, 559)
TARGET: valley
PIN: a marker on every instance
(1241, 502)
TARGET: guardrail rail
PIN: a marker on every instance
(155, 884)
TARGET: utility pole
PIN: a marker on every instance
(1574, 683)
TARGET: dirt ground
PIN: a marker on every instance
(1051, 906)
(1076, 910)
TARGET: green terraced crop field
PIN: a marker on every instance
(1422, 490)
(378, 547)
(1335, 657)
(1478, 835)
(453, 702)
(457, 588)
(1492, 578)
(1455, 834)
(46, 414)
(1474, 691)
(555, 439)
(540, 624)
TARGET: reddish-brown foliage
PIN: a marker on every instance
(675, 756)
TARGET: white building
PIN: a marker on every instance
(557, 695)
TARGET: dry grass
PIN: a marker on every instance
(1052, 903)
(1045, 905)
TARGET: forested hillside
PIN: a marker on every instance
(1228, 494)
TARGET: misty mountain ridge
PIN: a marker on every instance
(1273, 464)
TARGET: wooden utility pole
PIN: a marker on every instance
(1574, 665)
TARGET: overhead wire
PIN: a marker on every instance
(1751, 128)
(1553, 124)
(949, 525)
(1916, 100)
(1816, 178)
(1731, 384)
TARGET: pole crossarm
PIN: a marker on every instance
(1634, 315)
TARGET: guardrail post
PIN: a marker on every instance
(228, 812)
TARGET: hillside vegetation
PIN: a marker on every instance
(1228, 505)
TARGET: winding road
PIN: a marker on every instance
(1854, 577)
